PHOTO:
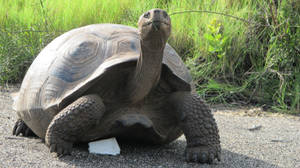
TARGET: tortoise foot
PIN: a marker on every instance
(21, 128)
(199, 128)
(60, 147)
(203, 154)
(71, 123)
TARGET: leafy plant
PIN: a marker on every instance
(215, 38)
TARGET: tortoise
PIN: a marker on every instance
(109, 80)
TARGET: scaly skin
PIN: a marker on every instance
(21, 128)
(72, 122)
(196, 120)
(199, 127)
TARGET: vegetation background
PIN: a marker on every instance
(238, 51)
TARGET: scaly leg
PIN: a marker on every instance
(72, 122)
(21, 128)
(199, 127)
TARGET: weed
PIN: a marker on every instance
(245, 51)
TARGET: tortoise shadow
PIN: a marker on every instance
(142, 155)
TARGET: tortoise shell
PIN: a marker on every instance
(74, 62)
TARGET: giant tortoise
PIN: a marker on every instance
(110, 80)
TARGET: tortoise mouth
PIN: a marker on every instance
(156, 22)
(156, 25)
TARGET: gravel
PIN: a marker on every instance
(249, 138)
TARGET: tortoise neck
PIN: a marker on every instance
(147, 71)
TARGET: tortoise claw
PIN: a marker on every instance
(17, 128)
(61, 149)
(202, 154)
(53, 148)
(219, 156)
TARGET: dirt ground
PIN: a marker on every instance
(249, 138)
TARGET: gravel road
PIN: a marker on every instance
(249, 137)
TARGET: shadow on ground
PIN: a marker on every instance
(171, 155)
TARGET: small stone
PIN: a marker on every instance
(105, 147)
(255, 128)
(280, 140)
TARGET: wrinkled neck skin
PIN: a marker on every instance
(148, 69)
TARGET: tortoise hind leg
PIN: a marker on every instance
(21, 128)
(72, 122)
(198, 126)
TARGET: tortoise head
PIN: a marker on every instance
(155, 25)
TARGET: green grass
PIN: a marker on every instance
(256, 61)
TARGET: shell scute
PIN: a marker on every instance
(81, 55)
(70, 63)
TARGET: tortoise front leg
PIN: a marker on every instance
(72, 122)
(199, 127)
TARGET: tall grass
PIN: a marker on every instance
(253, 61)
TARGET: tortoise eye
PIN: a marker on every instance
(147, 15)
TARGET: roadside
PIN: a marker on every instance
(249, 137)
